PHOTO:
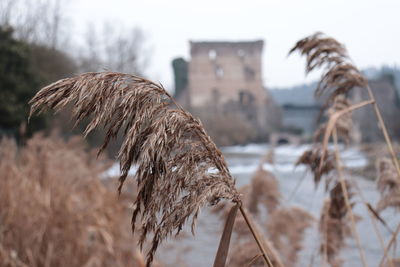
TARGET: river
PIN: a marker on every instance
(199, 250)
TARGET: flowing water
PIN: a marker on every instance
(297, 188)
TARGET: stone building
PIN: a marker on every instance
(225, 71)
(225, 80)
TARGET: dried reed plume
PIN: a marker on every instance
(264, 190)
(388, 184)
(319, 166)
(269, 157)
(286, 227)
(338, 78)
(179, 168)
(340, 75)
(343, 125)
(334, 224)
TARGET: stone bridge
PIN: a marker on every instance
(284, 138)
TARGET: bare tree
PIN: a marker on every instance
(35, 21)
(6, 9)
(114, 48)
(44, 22)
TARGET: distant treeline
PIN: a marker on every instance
(37, 48)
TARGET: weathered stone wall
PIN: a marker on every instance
(225, 71)
(225, 90)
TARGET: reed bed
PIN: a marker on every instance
(338, 78)
(388, 185)
(55, 210)
(283, 226)
(335, 225)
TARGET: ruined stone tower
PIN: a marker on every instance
(222, 85)
(225, 71)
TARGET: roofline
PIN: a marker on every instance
(225, 42)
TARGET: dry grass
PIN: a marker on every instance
(286, 228)
(319, 163)
(246, 253)
(343, 124)
(388, 185)
(335, 225)
(338, 78)
(179, 168)
(265, 191)
(261, 195)
(55, 211)
(340, 75)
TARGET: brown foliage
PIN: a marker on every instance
(286, 228)
(248, 254)
(343, 124)
(55, 211)
(388, 185)
(340, 75)
(179, 168)
(338, 78)
(335, 224)
(264, 190)
(313, 158)
(285, 225)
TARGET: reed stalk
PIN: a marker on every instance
(223, 248)
(370, 215)
(346, 198)
(339, 77)
(253, 260)
(384, 131)
(390, 243)
(257, 238)
(325, 247)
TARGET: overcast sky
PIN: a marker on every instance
(370, 29)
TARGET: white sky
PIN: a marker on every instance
(370, 29)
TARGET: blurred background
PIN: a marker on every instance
(226, 62)
(228, 66)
